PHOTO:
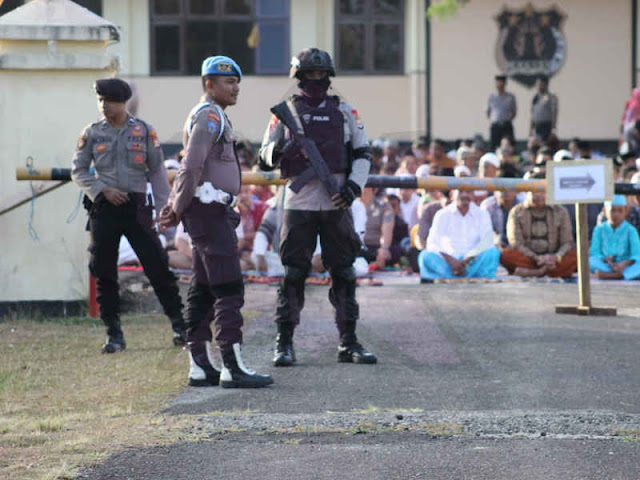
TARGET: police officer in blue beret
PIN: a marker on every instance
(339, 134)
(125, 153)
(204, 193)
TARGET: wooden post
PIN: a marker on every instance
(584, 281)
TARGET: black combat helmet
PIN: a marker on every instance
(311, 59)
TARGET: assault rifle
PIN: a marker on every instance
(309, 149)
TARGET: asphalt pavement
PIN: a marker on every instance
(474, 381)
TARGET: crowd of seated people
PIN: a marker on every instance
(456, 234)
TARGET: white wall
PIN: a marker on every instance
(42, 114)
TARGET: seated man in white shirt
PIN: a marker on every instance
(460, 243)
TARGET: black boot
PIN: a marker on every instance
(115, 338)
(202, 372)
(284, 355)
(179, 331)
(355, 353)
(236, 375)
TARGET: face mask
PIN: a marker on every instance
(315, 89)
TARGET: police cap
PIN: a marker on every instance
(113, 89)
(311, 59)
(221, 65)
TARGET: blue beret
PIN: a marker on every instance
(113, 89)
(221, 65)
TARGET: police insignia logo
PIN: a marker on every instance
(101, 148)
(212, 127)
(223, 67)
(306, 117)
(82, 142)
(530, 43)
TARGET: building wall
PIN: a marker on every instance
(592, 86)
(389, 105)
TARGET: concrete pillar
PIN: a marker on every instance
(51, 52)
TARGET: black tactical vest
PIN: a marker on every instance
(325, 126)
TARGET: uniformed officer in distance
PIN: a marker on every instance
(340, 137)
(203, 195)
(125, 152)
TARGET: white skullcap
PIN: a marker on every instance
(562, 155)
(490, 158)
(172, 164)
(462, 171)
(422, 171)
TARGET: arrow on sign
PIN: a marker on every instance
(573, 183)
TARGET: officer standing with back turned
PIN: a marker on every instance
(125, 152)
(203, 196)
(310, 210)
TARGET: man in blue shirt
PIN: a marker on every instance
(615, 245)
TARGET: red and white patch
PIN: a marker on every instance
(273, 122)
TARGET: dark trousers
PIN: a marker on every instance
(339, 244)
(542, 130)
(498, 131)
(216, 292)
(107, 223)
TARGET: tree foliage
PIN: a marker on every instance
(445, 8)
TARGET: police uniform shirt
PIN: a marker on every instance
(501, 108)
(544, 107)
(122, 158)
(314, 195)
(209, 155)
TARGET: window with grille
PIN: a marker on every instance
(369, 36)
(255, 33)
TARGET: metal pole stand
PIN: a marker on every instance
(584, 280)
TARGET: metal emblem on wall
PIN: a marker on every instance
(530, 43)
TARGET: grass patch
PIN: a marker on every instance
(63, 404)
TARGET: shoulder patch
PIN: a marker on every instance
(154, 138)
(273, 122)
(82, 142)
(356, 115)
(212, 126)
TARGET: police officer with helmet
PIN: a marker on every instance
(339, 135)
(125, 152)
(204, 193)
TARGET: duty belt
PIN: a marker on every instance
(207, 193)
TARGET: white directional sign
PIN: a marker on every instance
(579, 181)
